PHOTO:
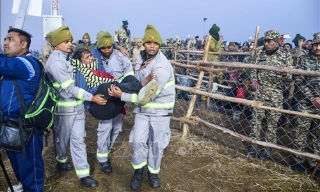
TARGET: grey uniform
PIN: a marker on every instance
(119, 67)
(69, 121)
(152, 121)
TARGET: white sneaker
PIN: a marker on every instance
(147, 92)
(16, 188)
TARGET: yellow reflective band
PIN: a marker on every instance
(56, 85)
(62, 160)
(80, 94)
(103, 155)
(83, 172)
(66, 84)
(70, 103)
(155, 105)
(134, 98)
(126, 74)
(139, 166)
(169, 84)
(153, 171)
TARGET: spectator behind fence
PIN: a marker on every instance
(215, 43)
(308, 96)
(269, 87)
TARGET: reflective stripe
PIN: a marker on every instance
(56, 85)
(29, 67)
(169, 84)
(139, 166)
(70, 103)
(83, 172)
(66, 84)
(80, 94)
(156, 105)
(103, 155)
(126, 74)
(153, 171)
(134, 98)
(62, 160)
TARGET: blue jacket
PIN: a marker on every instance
(27, 71)
(97, 54)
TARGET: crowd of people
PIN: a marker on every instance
(280, 90)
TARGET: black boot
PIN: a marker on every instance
(65, 166)
(154, 180)
(266, 153)
(137, 178)
(89, 182)
(106, 167)
(252, 152)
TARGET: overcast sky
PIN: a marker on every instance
(236, 18)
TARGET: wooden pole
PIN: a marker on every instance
(215, 53)
(194, 97)
(256, 36)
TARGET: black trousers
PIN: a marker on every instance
(114, 105)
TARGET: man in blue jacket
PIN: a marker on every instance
(16, 64)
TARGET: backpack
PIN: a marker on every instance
(40, 112)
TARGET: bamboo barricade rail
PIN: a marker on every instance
(204, 81)
(164, 48)
(198, 67)
(216, 53)
(254, 66)
(255, 104)
(195, 121)
(194, 97)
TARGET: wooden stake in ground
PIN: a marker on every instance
(194, 97)
(256, 36)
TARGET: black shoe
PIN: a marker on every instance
(266, 154)
(106, 167)
(298, 168)
(89, 182)
(154, 180)
(137, 178)
(252, 152)
(65, 166)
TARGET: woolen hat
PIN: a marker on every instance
(151, 34)
(60, 35)
(86, 36)
(104, 40)
(49, 37)
(296, 39)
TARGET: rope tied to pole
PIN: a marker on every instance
(256, 104)
(195, 120)
(193, 90)
(198, 65)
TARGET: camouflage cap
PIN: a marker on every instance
(316, 38)
(272, 35)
